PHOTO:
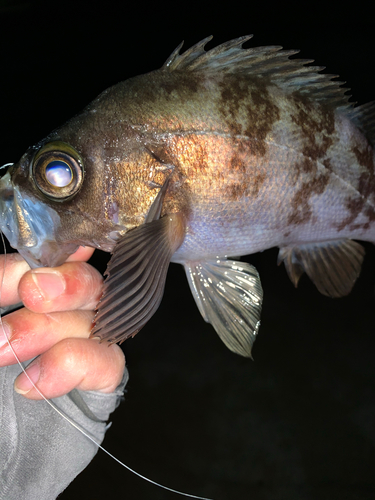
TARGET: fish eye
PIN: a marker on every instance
(57, 170)
(58, 173)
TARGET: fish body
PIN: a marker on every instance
(219, 153)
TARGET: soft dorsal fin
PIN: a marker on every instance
(364, 118)
(272, 62)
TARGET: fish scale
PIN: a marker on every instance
(222, 152)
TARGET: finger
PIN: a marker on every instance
(15, 267)
(83, 253)
(32, 334)
(73, 363)
(74, 285)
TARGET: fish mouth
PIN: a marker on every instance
(49, 254)
(30, 227)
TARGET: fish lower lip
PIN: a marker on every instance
(49, 254)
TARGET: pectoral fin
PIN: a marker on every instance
(136, 277)
(333, 266)
(229, 296)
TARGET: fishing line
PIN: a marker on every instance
(71, 421)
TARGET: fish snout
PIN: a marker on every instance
(30, 227)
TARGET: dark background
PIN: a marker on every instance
(298, 422)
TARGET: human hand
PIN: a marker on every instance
(55, 325)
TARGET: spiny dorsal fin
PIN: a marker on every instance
(289, 74)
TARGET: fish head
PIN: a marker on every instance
(87, 183)
(31, 195)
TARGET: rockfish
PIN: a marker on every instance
(219, 153)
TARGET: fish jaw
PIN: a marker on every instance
(48, 254)
(30, 226)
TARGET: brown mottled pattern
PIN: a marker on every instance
(327, 163)
(247, 157)
(363, 204)
(248, 188)
(302, 211)
(238, 190)
(314, 182)
(355, 207)
(365, 158)
(366, 183)
(210, 166)
(247, 179)
(369, 211)
(317, 126)
(248, 109)
(306, 166)
(186, 84)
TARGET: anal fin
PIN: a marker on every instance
(333, 266)
(229, 296)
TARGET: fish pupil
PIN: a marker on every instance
(58, 173)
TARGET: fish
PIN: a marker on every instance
(218, 154)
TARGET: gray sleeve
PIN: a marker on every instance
(41, 453)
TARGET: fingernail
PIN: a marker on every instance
(22, 384)
(51, 284)
(5, 333)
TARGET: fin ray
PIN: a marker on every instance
(136, 277)
(333, 266)
(364, 118)
(271, 61)
(229, 296)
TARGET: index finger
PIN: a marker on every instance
(82, 254)
(12, 268)
(74, 285)
(15, 267)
